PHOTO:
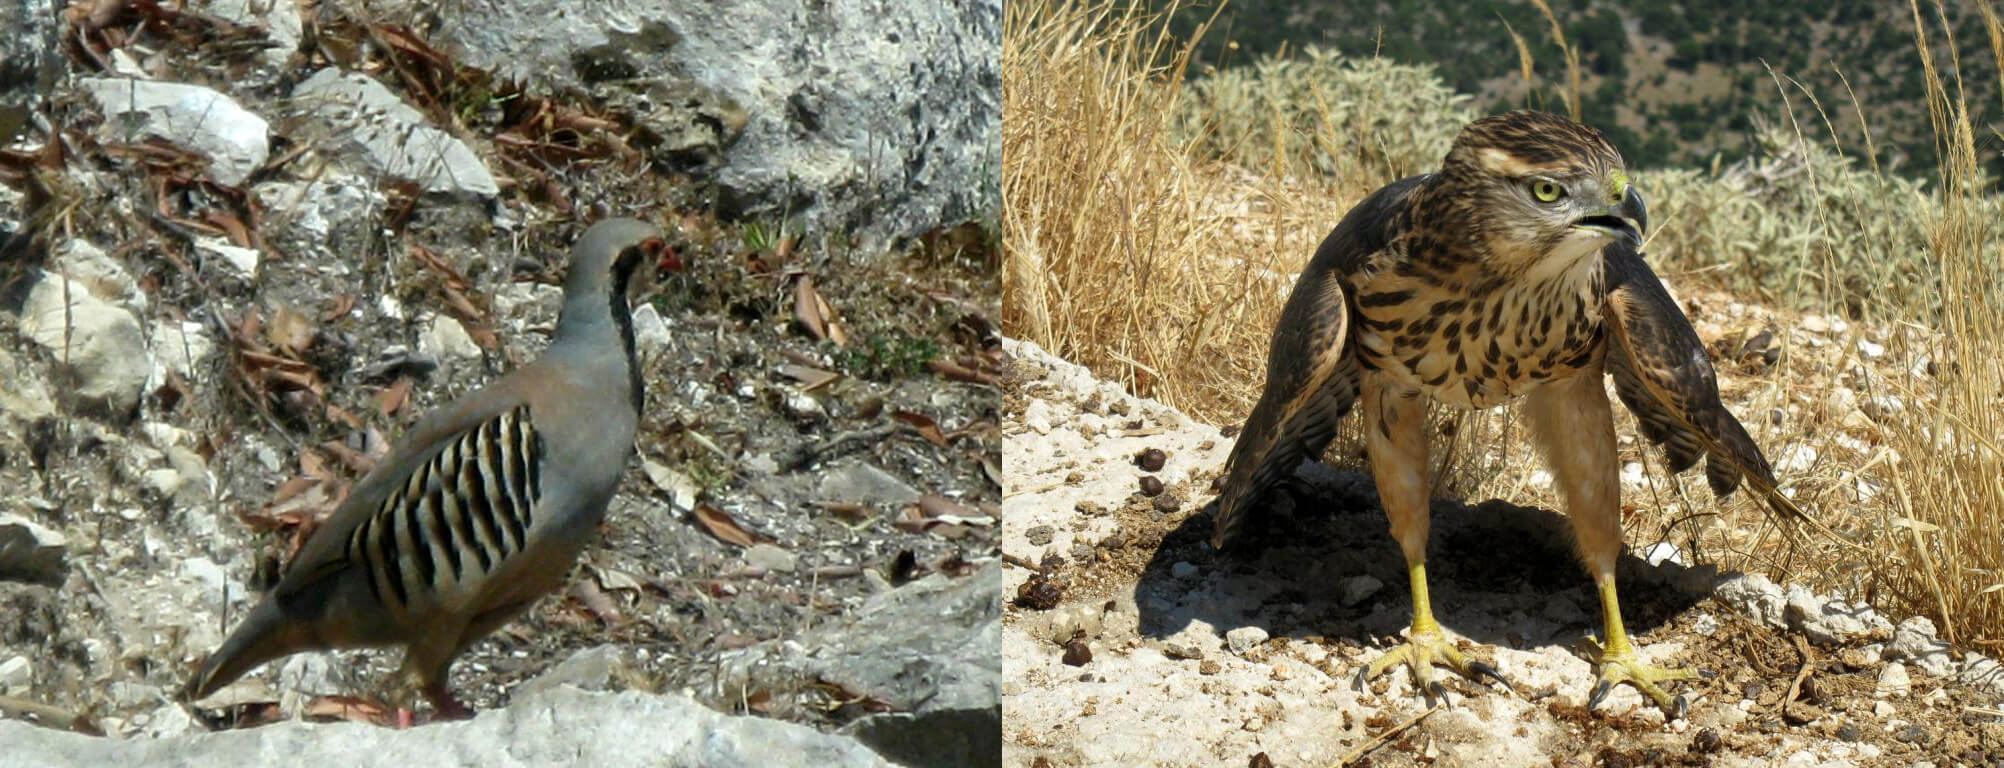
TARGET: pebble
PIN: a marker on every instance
(1662, 552)
(1244, 639)
(1077, 653)
(1894, 682)
(1040, 535)
(1357, 589)
(1183, 570)
(16, 675)
(1151, 485)
(772, 558)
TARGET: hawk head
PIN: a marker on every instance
(1538, 189)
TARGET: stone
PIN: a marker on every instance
(192, 117)
(278, 19)
(1243, 640)
(1757, 596)
(771, 558)
(592, 669)
(1183, 570)
(801, 406)
(1663, 552)
(180, 348)
(1357, 589)
(882, 121)
(241, 261)
(214, 583)
(1883, 408)
(1982, 672)
(86, 264)
(25, 397)
(16, 676)
(559, 724)
(392, 137)
(863, 483)
(310, 673)
(329, 218)
(1915, 640)
(650, 333)
(1833, 622)
(927, 648)
(1040, 535)
(446, 339)
(99, 343)
(1894, 683)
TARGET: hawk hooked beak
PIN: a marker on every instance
(1625, 221)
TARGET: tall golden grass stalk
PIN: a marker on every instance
(1121, 253)
(1946, 559)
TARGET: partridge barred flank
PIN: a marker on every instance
(471, 505)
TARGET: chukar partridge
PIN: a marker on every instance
(481, 508)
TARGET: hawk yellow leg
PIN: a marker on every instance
(1396, 442)
(1425, 646)
(1573, 426)
(1619, 663)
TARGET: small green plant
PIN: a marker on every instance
(886, 357)
(757, 237)
(706, 470)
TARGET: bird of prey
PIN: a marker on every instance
(481, 508)
(1512, 272)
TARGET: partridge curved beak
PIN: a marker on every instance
(1625, 221)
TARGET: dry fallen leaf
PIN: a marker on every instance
(810, 378)
(940, 516)
(394, 396)
(721, 525)
(958, 372)
(338, 307)
(290, 331)
(815, 314)
(587, 592)
(926, 427)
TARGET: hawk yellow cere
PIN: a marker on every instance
(1514, 271)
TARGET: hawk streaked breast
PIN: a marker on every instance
(1513, 272)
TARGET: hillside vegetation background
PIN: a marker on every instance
(1675, 84)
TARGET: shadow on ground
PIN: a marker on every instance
(1500, 574)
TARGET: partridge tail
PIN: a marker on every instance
(263, 635)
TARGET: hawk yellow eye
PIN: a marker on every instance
(1547, 192)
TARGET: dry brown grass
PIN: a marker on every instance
(1124, 251)
(1136, 250)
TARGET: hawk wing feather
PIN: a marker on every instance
(1311, 371)
(1661, 372)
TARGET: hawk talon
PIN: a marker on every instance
(1624, 666)
(1421, 652)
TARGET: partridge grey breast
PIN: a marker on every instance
(481, 508)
